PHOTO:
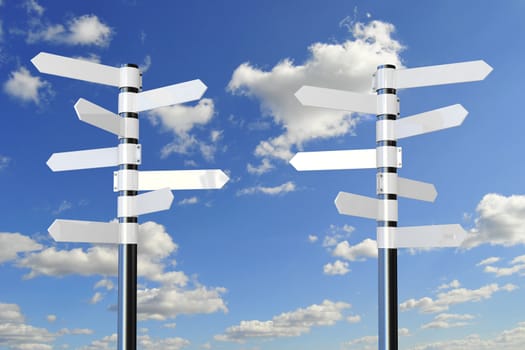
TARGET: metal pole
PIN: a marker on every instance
(129, 157)
(387, 164)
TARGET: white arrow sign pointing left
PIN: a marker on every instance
(356, 205)
(76, 69)
(97, 116)
(91, 158)
(337, 99)
(84, 231)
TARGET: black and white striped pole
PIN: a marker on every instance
(387, 164)
(387, 159)
(130, 84)
(127, 180)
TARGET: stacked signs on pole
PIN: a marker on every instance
(128, 180)
(387, 158)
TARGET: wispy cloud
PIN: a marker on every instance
(272, 191)
(189, 201)
(444, 321)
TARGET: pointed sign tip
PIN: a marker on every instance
(223, 179)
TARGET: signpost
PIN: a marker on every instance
(386, 158)
(128, 180)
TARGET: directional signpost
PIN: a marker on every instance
(128, 180)
(386, 158)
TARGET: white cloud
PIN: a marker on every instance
(189, 201)
(33, 6)
(500, 221)
(16, 334)
(96, 298)
(272, 191)
(216, 135)
(23, 86)
(75, 331)
(170, 325)
(155, 249)
(312, 238)
(83, 30)
(360, 251)
(489, 261)
(180, 120)
(262, 168)
(11, 244)
(144, 67)
(105, 283)
(512, 339)
(442, 321)
(288, 324)
(518, 266)
(369, 342)
(348, 66)
(65, 205)
(353, 319)
(92, 57)
(107, 343)
(453, 284)
(337, 268)
(454, 296)
(168, 302)
(51, 318)
(336, 234)
(147, 343)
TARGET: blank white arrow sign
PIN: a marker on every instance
(337, 99)
(97, 116)
(356, 205)
(145, 203)
(92, 158)
(432, 236)
(438, 119)
(334, 160)
(441, 74)
(416, 190)
(182, 179)
(169, 95)
(84, 231)
(76, 69)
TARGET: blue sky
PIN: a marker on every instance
(266, 262)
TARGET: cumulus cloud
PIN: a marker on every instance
(174, 296)
(272, 191)
(370, 342)
(83, 30)
(180, 120)
(25, 87)
(511, 339)
(107, 343)
(445, 320)
(16, 334)
(145, 342)
(360, 251)
(348, 65)
(11, 244)
(337, 268)
(312, 238)
(288, 324)
(500, 221)
(453, 284)
(336, 234)
(454, 296)
(51, 318)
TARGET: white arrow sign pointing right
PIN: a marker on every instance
(182, 179)
(84, 231)
(441, 74)
(169, 95)
(438, 119)
(433, 236)
(76, 69)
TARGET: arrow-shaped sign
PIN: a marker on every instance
(75, 160)
(356, 205)
(76, 69)
(97, 116)
(432, 236)
(145, 203)
(438, 119)
(84, 231)
(169, 95)
(441, 74)
(334, 160)
(179, 180)
(337, 99)
(416, 190)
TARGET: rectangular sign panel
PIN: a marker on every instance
(334, 160)
(182, 179)
(433, 236)
(337, 99)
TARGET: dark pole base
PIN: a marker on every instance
(388, 337)
(127, 298)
